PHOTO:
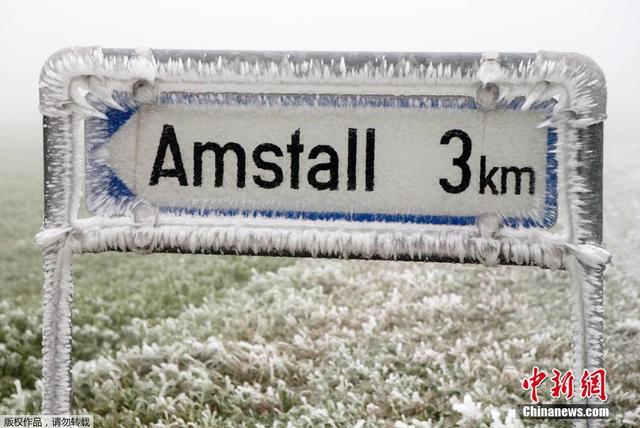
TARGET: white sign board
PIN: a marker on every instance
(362, 158)
(461, 157)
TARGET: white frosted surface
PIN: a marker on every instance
(68, 97)
(409, 158)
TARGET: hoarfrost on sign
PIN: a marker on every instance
(80, 86)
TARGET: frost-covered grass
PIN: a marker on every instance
(238, 341)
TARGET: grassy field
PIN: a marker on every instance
(242, 341)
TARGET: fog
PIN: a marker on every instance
(605, 31)
(30, 32)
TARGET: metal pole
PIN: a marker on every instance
(586, 267)
(57, 297)
(57, 293)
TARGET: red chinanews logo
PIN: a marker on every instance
(592, 384)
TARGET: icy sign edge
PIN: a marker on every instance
(72, 77)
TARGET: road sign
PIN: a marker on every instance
(319, 157)
(491, 158)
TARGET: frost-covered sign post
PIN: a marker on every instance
(490, 158)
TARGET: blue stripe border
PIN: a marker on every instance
(103, 180)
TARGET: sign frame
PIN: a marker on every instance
(72, 77)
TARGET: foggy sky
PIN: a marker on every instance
(30, 32)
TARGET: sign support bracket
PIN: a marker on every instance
(64, 105)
